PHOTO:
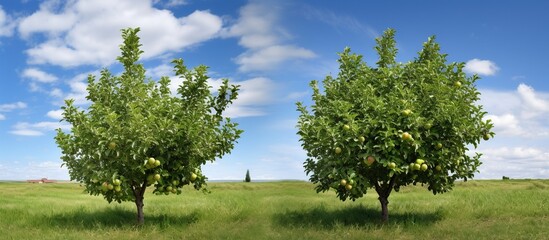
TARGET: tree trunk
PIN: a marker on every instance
(139, 192)
(383, 191)
(384, 209)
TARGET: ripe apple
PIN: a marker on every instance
(424, 167)
(337, 150)
(486, 137)
(361, 139)
(157, 177)
(370, 160)
(438, 168)
(150, 161)
(457, 84)
(439, 145)
(392, 165)
(349, 187)
(193, 176)
(117, 188)
(416, 166)
(346, 127)
(406, 136)
(105, 186)
(406, 112)
(343, 182)
(157, 163)
(116, 182)
(112, 145)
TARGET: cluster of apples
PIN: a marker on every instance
(347, 184)
(115, 185)
(151, 163)
(419, 165)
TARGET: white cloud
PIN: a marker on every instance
(88, 32)
(254, 93)
(269, 57)
(38, 75)
(519, 113)
(259, 33)
(339, 21)
(6, 24)
(12, 106)
(514, 162)
(55, 114)
(2, 117)
(37, 129)
(481, 67)
(35, 170)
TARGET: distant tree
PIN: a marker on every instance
(247, 179)
(392, 125)
(136, 133)
(505, 178)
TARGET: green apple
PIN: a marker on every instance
(193, 176)
(150, 161)
(346, 127)
(438, 168)
(349, 187)
(157, 163)
(406, 112)
(424, 167)
(439, 145)
(337, 150)
(112, 145)
(428, 125)
(174, 190)
(157, 177)
(117, 188)
(116, 182)
(110, 186)
(392, 165)
(457, 84)
(420, 161)
(417, 166)
(486, 137)
(105, 186)
(169, 188)
(175, 182)
(361, 139)
(351, 182)
(411, 167)
(343, 182)
(406, 136)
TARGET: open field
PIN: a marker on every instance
(515, 209)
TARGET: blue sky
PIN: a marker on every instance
(273, 49)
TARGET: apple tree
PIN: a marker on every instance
(136, 133)
(392, 125)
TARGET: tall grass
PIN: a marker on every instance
(517, 209)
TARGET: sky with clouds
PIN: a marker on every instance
(273, 49)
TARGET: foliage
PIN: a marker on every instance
(137, 133)
(392, 125)
(247, 178)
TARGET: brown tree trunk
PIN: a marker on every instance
(384, 209)
(139, 192)
(383, 190)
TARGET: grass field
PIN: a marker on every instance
(515, 209)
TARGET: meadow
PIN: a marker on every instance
(482, 209)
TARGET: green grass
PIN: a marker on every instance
(515, 209)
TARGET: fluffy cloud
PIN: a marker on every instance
(259, 33)
(35, 170)
(12, 106)
(37, 129)
(519, 113)
(481, 67)
(38, 75)
(55, 114)
(515, 162)
(6, 24)
(88, 32)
